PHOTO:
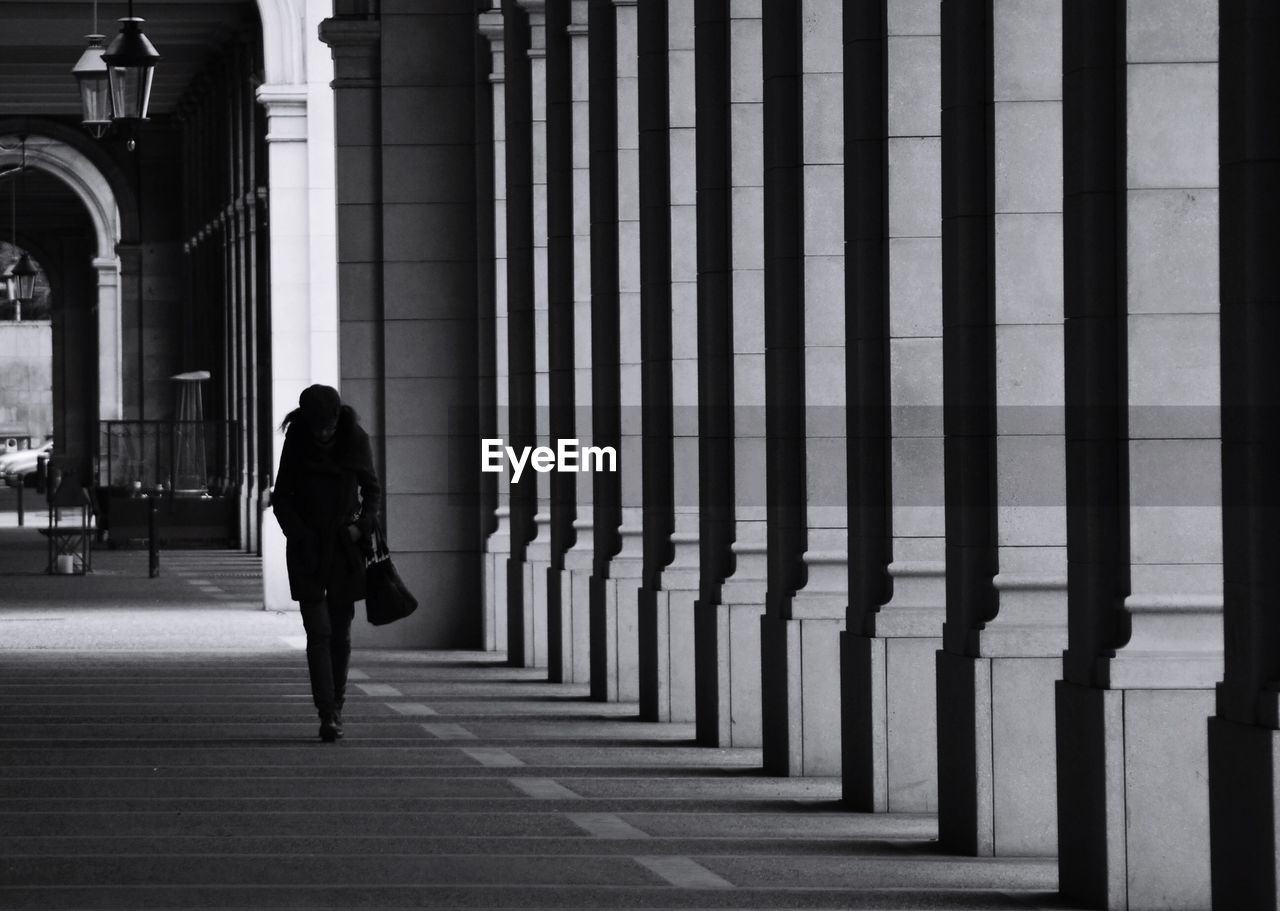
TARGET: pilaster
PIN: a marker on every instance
(615, 270)
(526, 94)
(1244, 740)
(804, 359)
(893, 129)
(731, 364)
(1007, 564)
(569, 288)
(1144, 520)
(669, 354)
(497, 545)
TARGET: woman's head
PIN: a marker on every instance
(320, 413)
(320, 407)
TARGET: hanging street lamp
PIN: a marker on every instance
(95, 89)
(24, 276)
(20, 278)
(131, 65)
(95, 86)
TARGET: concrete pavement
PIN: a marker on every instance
(163, 754)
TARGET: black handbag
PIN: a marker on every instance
(386, 599)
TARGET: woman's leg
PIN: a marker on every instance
(316, 621)
(341, 614)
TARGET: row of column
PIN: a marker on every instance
(223, 327)
(903, 318)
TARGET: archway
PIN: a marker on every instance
(292, 75)
(74, 168)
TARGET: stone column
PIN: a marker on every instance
(408, 222)
(1144, 531)
(670, 351)
(304, 343)
(1006, 531)
(569, 277)
(616, 355)
(805, 344)
(110, 393)
(524, 24)
(730, 96)
(893, 55)
(1243, 737)
(497, 546)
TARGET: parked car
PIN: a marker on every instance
(16, 465)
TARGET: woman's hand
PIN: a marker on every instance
(354, 533)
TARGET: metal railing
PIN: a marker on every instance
(178, 458)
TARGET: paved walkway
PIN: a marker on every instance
(164, 755)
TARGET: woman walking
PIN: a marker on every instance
(326, 499)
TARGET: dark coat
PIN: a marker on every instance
(320, 489)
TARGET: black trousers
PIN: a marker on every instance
(328, 626)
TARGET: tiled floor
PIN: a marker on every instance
(176, 765)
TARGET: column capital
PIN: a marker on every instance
(491, 29)
(490, 26)
(536, 10)
(130, 255)
(286, 112)
(340, 32)
(355, 44)
(108, 269)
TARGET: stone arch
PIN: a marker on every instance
(283, 45)
(92, 186)
(77, 171)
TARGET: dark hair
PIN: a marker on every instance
(347, 418)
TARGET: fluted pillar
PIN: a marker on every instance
(804, 361)
(730, 97)
(497, 544)
(892, 60)
(1244, 736)
(1006, 530)
(669, 349)
(1144, 531)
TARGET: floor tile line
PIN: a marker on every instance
(683, 872)
(544, 789)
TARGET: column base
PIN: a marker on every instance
(727, 647)
(615, 644)
(666, 655)
(1133, 797)
(800, 666)
(494, 599)
(249, 515)
(1244, 807)
(568, 625)
(527, 594)
(889, 734)
(996, 771)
